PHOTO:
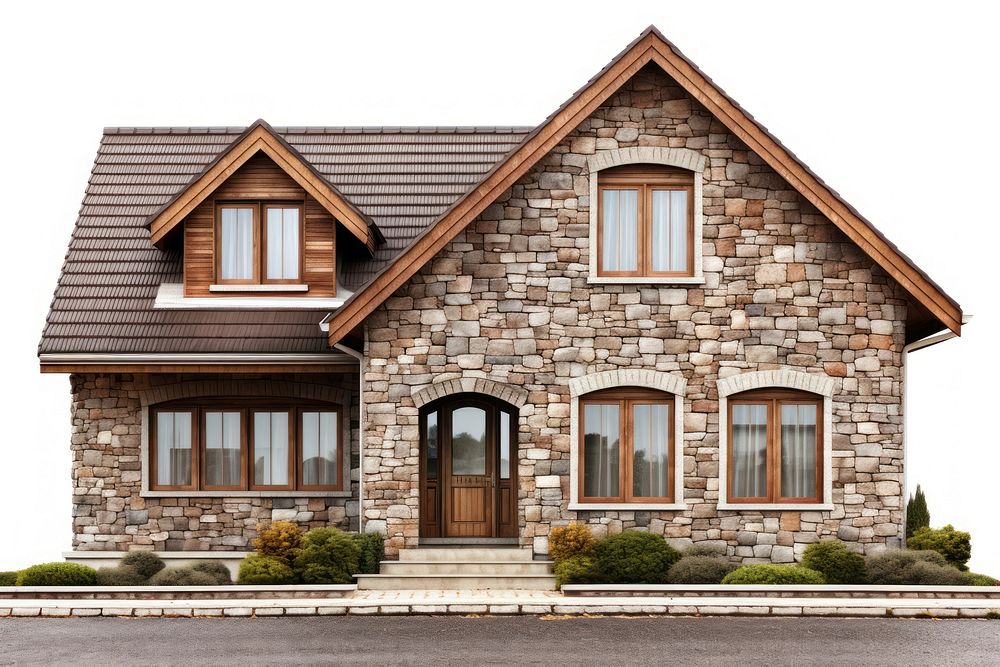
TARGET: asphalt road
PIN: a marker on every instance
(499, 640)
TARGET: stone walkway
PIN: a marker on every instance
(508, 602)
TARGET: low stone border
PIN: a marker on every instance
(785, 591)
(234, 592)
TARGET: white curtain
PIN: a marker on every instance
(650, 440)
(798, 451)
(222, 448)
(670, 230)
(600, 451)
(173, 448)
(270, 447)
(749, 451)
(282, 243)
(237, 243)
(621, 230)
(319, 448)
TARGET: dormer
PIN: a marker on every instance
(259, 222)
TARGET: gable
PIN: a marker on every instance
(652, 47)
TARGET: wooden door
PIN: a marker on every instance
(469, 469)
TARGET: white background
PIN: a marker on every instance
(893, 104)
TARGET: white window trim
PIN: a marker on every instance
(822, 385)
(671, 157)
(671, 383)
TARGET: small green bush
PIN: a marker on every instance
(280, 539)
(634, 557)
(906, 567)
(372, 547)
(219, 572)
(181, 576)
(973, 579)
(954, 545)
(146, 563)
(837, 563)
(328, 556)
(766, 573)
(705, 550)
(259, 570)
(699, 570)
(57, 574)
(122, 575)
(578, 569)
(8, 578)
(575, 539)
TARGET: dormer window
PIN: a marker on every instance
(252, 253)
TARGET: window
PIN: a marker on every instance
(626, 446)
(775, 447)
(645, 222)
(249, 254)
(258, 445)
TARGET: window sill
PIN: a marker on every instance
(246, 494)
(645, 280)
(818, 507)
(170, 296)
(258, 288)
(636, 507)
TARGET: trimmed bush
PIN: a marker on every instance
(837, 563)
(280, 539)
(713, 550)
(8, 578)
(973, 579)
(372, 547)
(699, 570)
(578, 569)
(906, 567)
(122, 575)
(328, 556)
(575, 539)
(146, 563)
(57, 574)
(219, 572)
(259, 570)
(181, 576)
(766, 573)
(954, 545)
(634, 557)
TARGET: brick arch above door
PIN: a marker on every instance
(516, 396)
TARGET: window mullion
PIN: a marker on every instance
(625, 451)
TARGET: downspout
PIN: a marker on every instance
(916, 345)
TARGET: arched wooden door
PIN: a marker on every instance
(468, 468)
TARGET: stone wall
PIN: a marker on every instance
(508, 299)
(109, 510)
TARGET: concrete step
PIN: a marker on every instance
(466, 554)
(452, 582)
(434, 568)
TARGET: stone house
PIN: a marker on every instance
(644, 313)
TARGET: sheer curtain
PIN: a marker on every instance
(621, 230)
(649, 451)
(749, 445)
(222, 448)
(600, 450)
(282, 243)
(237, 243)
(319, 448)
(798, 451)
(173, 448)
(670, 230)
(270, 448)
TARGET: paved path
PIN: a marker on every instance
(500, 640)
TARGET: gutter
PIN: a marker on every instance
(917, 345)
(361, 421)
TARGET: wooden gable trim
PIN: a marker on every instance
(651, 46)
(260, 137)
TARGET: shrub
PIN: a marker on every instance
(328, 556)
(372, 547)
(181, 576)
(57, 574)
(578, 569)
(8, 578)
(123, 575)
(973, 579)
(699, 570)
(954, 545)
(714, 550)
(837, 563)
(260, 570)
(917, 514)
(146, 563)
(902, 567)
(575, 539)
(219, 572)
(280, 539)
(634, 557)
(766, 573)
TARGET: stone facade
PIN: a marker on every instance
(110, 510)
(508, 300)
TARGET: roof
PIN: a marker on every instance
(932, 309)
(400, 178)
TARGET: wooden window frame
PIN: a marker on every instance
(246, 408)
(646, 180)
(773, 399)
(259, 209)
(626, 399)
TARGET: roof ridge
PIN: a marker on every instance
(328, 129)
